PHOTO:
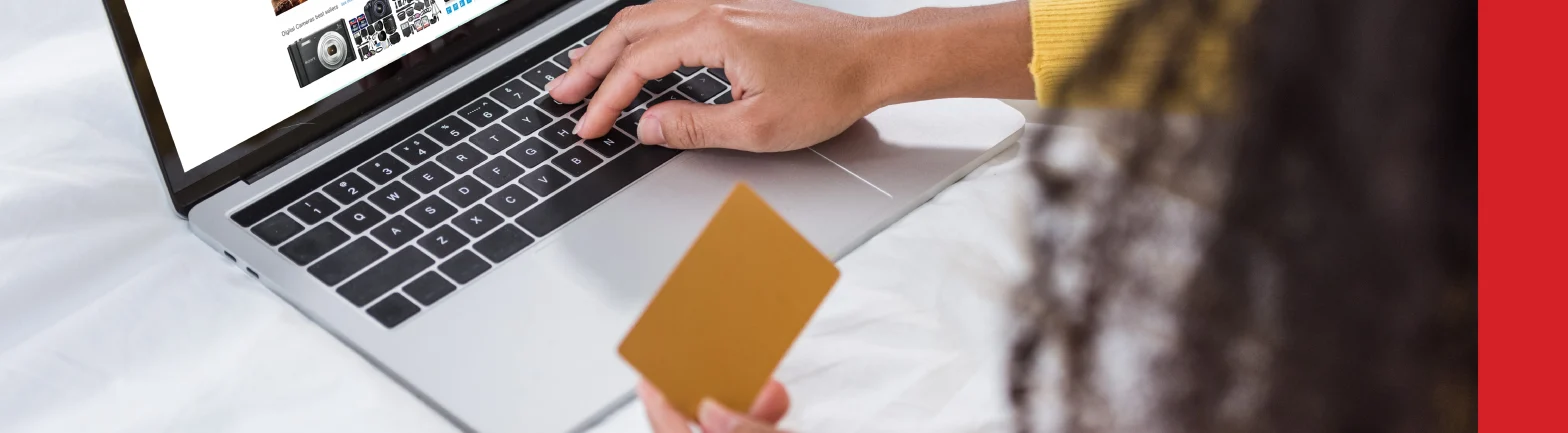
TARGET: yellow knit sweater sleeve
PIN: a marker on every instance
(1064, 32)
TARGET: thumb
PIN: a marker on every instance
(715, 418)
(690, 125)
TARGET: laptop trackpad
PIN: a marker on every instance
(817, 197)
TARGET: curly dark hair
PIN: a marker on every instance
(1335, 287)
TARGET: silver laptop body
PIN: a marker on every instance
(530, 344)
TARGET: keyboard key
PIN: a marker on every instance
(393, 197)
(554, 107)
(577, 161)
(338, 266)
(348, 188)
(542, 74)
(628, 123)
(416, 149)
(545, 180)
(461, 158)
(280, 228)
(594, 188)
(659, 85)
(610, 144)
(476, 221)
(449, 130)
(510, 200)
(560, 133)
(498, 171)
(637, 101)
(464, 267)
(465, 191)
(359, 217)
(701, 87)
(396, 232)
(525, 120)
(313, 244)
(393, 310)
(505, 242)
(433, 210)
(383, 168)
(514, 94)
(428, 177)
(385, 276)
(429, 288)
(494, 139)
(313, 208)
(482, 112)
(532, 152)
(667, 97)
(577, 116)
(687, 71)
(443, 241)
(591, 37)
(719, 73)
(723, 99)
(562, 59)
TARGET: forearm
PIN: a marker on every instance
(974, 52)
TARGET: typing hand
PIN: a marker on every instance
(800, 74)
(715, 418)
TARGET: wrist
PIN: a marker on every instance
(933, 53)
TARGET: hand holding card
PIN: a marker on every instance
(731, 309)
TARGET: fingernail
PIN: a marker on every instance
(715, 418)
(576, 129)
(650, 131)
(551, 85)
(575, 53)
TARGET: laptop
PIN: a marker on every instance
(394, 170)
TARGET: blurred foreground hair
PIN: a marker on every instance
(1335, 287)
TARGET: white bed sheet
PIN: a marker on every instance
(114, 318)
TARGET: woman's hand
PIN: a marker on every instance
(800, 74)
(715, 418)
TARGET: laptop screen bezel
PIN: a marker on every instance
(324, 119)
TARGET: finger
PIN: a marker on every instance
(771, 404)
(689, 125)
(715, 418)
(630, 25)
(653, 57)
(661, 415)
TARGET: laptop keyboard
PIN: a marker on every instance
(416, 222)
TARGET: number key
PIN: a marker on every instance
(313, 208)
(348, 188)
(449, 130)
(383, 168)
(416, 149)
(514, 94)
(482, 112)
(542, 74)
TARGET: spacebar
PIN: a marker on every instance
(594, 188)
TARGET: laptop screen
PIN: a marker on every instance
(243, 66)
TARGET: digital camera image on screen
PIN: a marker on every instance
(319, 54)
(375, 30)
